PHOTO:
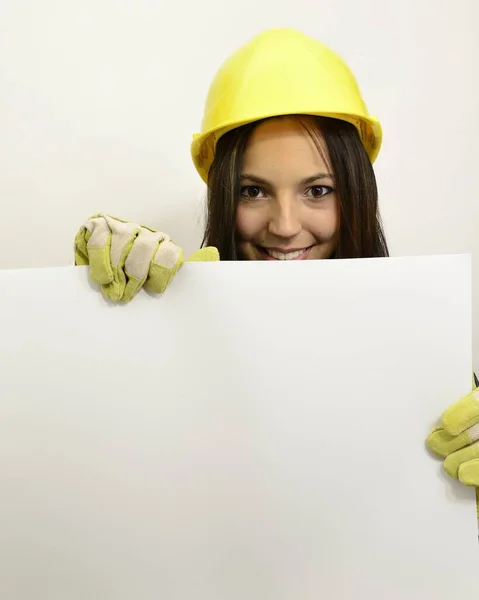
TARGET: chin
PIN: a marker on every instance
(322, 253)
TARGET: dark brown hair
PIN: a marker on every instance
(361, 233)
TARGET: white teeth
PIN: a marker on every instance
(285, 256)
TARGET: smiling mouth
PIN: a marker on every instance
(276, 254)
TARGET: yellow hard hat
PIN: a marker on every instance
(281, 72)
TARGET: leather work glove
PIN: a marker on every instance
(124, 257)
(457, 440)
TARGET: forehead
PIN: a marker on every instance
(284, 148)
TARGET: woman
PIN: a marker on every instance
(286, 149)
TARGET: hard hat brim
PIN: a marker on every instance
(204, 144)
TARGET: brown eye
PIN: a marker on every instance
(319, 191)
(251, 192)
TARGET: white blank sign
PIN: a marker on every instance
(256, 432)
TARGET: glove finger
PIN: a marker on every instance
(122, 237)
(443, 443)
(93, 244)
(137, 264)
(208, 254)
(166, 262)
(80, 246)
(469, 473)
(463, 414)
(453, 462)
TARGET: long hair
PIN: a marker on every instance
(361, 232)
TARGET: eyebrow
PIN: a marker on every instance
(305, 181)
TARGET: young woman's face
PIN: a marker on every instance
(288, 208)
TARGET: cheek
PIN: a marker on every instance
(324, 222)
(249, 222)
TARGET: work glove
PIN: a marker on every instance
(123, 257)
(456, 439)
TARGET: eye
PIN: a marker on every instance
(319, 191)
(251, 192)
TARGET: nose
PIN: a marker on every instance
(284, 221)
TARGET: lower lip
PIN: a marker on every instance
(303, 256)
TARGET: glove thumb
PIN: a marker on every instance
(208, 254)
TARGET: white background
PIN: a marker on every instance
(99, 100)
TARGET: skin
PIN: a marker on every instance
(288, 208)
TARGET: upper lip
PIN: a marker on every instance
(286, 250)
